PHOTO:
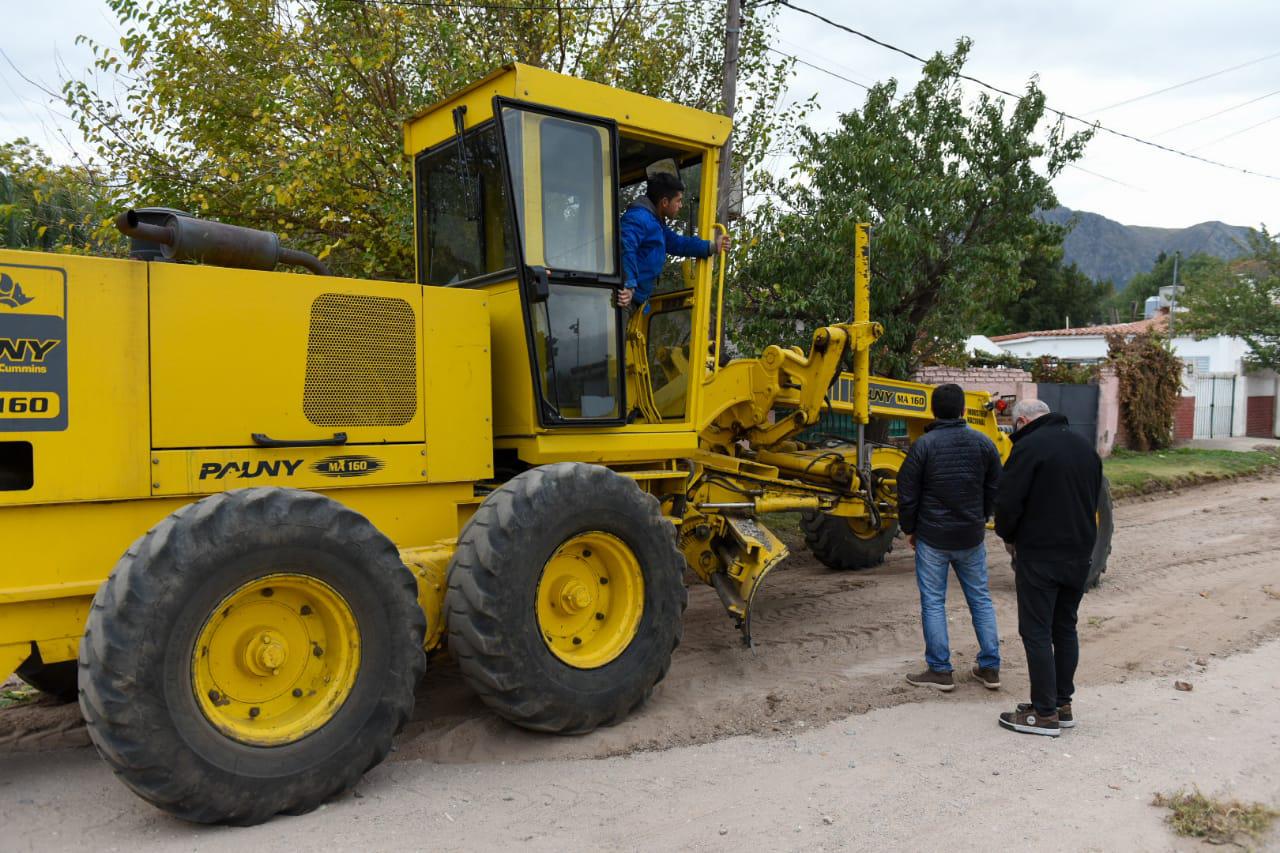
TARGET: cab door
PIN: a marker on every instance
(564, 190)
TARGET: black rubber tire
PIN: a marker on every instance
(135, 657)
(491, 602)
(833, 542)
(57, 680)
(1102, 545)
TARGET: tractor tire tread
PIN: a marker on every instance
(147, 578)
(480, 639)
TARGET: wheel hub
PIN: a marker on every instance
(276, 659)
(267, 655)
(590, 600)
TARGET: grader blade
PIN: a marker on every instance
(749, 553)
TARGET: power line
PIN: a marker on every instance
(1007, 93)
(1104, 177)
(808, 64)
(1184, 83)
(868, 88)
(1219, 112)
(1238, 132)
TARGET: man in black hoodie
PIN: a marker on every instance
(946, 492)
(1046, 513)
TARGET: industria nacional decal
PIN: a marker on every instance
(33, 349)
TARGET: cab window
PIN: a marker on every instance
(465, 220)
(563, 174)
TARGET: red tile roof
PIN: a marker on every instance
(1160, 321)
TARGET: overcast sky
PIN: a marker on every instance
(1088, 55)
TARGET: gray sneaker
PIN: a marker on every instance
(943, 681)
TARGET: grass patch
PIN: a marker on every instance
(1197, 816)
(21, 695)
(786, 526)
(1133, 473)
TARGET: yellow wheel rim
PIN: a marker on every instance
(861, 527)
(590, 600)
(276, 659)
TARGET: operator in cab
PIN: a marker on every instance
(647, 239)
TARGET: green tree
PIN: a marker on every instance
(50, 207)
(1056, 295)
(1242, 300)
(287, 116)
(950, 190)
(1129, 302)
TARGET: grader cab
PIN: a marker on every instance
(307, 483)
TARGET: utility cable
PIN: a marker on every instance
(1219, 112)
(1237, 133)
(1060, 113)
(1184, 83)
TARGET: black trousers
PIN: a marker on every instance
(1049, 595)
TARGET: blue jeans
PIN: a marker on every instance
(931, 575)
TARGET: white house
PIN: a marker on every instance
(1220, 397)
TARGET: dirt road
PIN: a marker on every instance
(1193, 576)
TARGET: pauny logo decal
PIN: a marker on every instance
(11, 295)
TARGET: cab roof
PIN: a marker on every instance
(635, 114)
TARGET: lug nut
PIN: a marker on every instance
(604, 581)
(305, 610)
(318, 652)
(586, 552)
(600, 617)
(577, 641)
(268, 592)
(254, 712)
(297, 693)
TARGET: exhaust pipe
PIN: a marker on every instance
(185, 238)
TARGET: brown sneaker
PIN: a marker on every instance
(989, 678)
(1026, 720)
(943, 681)
(1065, 720)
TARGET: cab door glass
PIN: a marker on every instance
(563, 175)
(576, 349)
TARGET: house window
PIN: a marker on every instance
(1197, 363)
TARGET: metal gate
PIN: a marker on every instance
(1215, 405)
(1078, 402)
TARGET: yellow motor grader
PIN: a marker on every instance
(240, 506)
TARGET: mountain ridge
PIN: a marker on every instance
(1106, 250)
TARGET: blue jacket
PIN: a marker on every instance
(646, 242)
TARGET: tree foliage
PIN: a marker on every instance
(1150, 376)
(1241, 300)
(950, 190)
(1055, 295)
(287, 116)
(49, 207)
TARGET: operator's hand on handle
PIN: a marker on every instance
(911, 538)
(722, 242)
(623, 296)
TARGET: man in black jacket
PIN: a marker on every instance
(1046, 512)
(946, 492)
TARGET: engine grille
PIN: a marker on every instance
(362, 366)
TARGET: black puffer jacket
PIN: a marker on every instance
(1048, 500)
(947, 485)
